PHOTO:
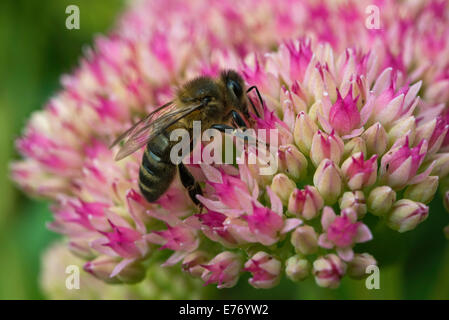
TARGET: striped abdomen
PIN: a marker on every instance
(156, 170)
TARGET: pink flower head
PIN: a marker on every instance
(341, 97)
(342, 232)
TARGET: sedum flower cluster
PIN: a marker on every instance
(362, 123)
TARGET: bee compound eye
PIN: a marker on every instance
(235, 87)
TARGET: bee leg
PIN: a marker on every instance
(222, 127)
(238, 120)
(251, 101)
(188, 181)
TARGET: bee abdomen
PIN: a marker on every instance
(156, 171)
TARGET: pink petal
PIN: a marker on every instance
(290, 224)
(174, 258)
(363, 234)
(353, 134)
(420, 177)
(347, 254)
(324, 242)
(328, 217)
(212, 174)
(119, 267)
(276, 203)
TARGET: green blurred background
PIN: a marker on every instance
(36, 49)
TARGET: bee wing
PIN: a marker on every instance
(150, 126)
(140, 125)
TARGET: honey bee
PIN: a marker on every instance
(214, 102)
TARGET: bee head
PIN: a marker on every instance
(235, 89)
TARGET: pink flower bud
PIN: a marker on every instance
(434, 132)
(354, 200)
(446, 231)
(402, 128)
(326, 146)
(105, 268)
(282, 186)
(357, 266)
(390, 105)
(81, 248)
(328, 271)
(224, 270)
(424, 191)
(380, 200)
(304, 130)
(344, 116)
(446, 201)
(353, 146)
(193, 262)
(328, 181)
(292, 162)
(265, 270)
(305, 240)
(400, 165)
(297, 268)
(305, 203)
(358, 172)
(406, 215)
(441, 167)
(376, 139)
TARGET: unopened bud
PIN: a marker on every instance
(441, 167)
(328, 271)
(423, 191)
(446, 201)
(402, 128)
(376, 139)
(283, 187)
(292, 162)
(305, 203)
(265, 270)
(305, 240)
(326, 146)
(193, 262)
(357, 266)
(328, 181)
(303, 133)
(103, 266)
(354, 200)
(297, 268)
(406, 215)
(434, 132)
(353, 146)
(380, 200)
(358, 172)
